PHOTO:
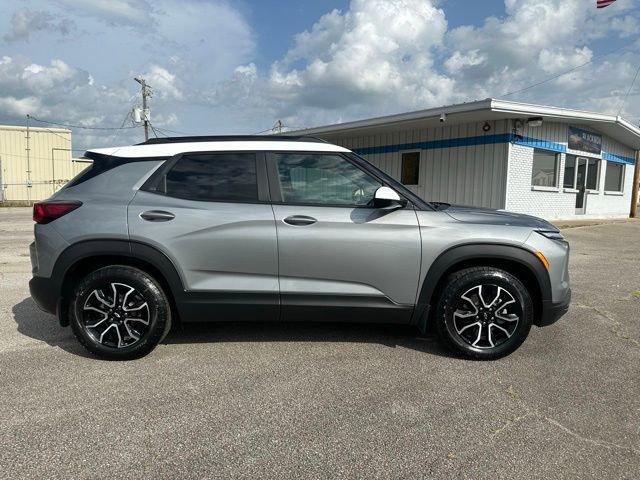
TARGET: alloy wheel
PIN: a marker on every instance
(486, 316)
(116, 315)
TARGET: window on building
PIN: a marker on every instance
(613, 177)
(323, 180)
(545, 169)
(410, 168)
(593, 174)
(569, 180)
(226, 177)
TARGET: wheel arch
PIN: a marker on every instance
(81, 258)
(516, 260)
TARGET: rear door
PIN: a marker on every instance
(209, 212)
(340, 259)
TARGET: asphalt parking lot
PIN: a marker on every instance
(329, 401)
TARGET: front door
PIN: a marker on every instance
(208, 213)
(581, 185)
(340, 259)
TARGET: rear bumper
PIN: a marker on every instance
(44, 293)
(552, 311)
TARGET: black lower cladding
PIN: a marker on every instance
(553, 311)
(44, 293)
(343, 308)
(235, 306)
(227, 306)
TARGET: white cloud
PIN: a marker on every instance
(20, 106)
(25, 22)
(458, 61)
(113, 12)
(165, 83)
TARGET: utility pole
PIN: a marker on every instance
(279, 125)
(635, 187)
(28, 138)
(146, 93)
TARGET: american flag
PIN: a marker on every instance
(604, 3)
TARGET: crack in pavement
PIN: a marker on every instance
(532, 412)
(614, 327)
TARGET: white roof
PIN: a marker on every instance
(170, 149)
(488, 109)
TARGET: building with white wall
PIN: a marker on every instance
(551, 162)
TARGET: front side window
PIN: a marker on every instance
(613, 177)
(224, 177)
(545, 169)
(323, 179)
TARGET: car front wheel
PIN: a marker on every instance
(119, 312)
(484, 313)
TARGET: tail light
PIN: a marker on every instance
(45, 212)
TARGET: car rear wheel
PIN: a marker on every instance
(484, 313)
(119, 313)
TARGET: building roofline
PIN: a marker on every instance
(399, 117)
(34, 129)
(492, 105)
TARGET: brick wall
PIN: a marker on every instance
(559, 204)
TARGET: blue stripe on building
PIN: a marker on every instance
(483, 140)
(612, 157)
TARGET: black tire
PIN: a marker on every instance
(102, 303)
(488, 332)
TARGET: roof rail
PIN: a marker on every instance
(233, 138)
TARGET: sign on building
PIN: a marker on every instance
(585, 141)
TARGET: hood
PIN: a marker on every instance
(492, 216)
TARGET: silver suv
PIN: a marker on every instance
(200, 229)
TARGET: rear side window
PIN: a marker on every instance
(225, 177)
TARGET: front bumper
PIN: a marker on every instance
(552, 311)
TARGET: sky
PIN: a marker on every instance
(223, 67)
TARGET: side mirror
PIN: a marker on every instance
(386, 198)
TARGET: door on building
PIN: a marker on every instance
(581, 185)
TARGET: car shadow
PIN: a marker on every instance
(44, 327)
(392, 336)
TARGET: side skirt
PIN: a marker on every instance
(257, 307)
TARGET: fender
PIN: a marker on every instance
(121, 248)
(476, 252)
(49, 294)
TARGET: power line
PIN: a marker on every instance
(547, 80)
(174, 131)
(624, 100)
(79, 126)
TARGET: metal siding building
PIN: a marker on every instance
(33, 168)
(487, 154)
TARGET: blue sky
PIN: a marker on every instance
(218, 66)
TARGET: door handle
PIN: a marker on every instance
(300, 220)
(157, 216)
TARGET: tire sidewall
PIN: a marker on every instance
(159, 311)
(459, 286)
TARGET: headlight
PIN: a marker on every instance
(552, 234)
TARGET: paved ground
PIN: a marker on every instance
(326, 401)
